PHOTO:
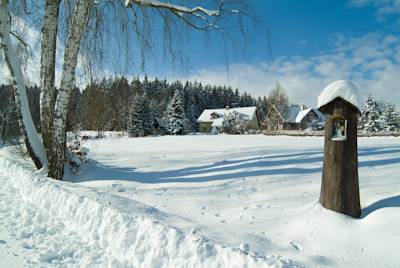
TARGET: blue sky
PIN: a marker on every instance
(297, 28)
(312, 43)
(302, 28)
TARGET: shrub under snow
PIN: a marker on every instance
(235, 123)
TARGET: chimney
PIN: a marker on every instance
(302, 107)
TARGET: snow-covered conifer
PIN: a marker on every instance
(141, 117)
(369, 121)
(174, 118)
(389, 118)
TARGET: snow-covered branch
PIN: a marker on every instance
(200, 13)
(32, 139)
(174, 8)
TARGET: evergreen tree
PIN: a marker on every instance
(156, 115)
(370, 115)
(389, 118)
(141, 121)
(174, 118)
(191, 108)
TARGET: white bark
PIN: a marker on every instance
(47, 70)
(79, 22)
(14, 66)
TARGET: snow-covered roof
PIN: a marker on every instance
(245, 111)
(343, 89)
(303, 114)
(320, 115)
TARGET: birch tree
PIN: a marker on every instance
(47, 71)
(79, 22)
(32, 140)
(128, 13)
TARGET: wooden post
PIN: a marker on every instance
(339, 188)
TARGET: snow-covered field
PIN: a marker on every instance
(200, 201)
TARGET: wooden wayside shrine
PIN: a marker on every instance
(340, 187)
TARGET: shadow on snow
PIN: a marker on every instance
(389, 202)
(278, 164)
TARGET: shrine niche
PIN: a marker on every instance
(339, 128)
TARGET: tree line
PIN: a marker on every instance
(117, 104)
(378, 117)
(144, 107)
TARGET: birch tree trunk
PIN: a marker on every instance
(32, 140)
(79, 22)
(47, 71)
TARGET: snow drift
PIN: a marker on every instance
(341, 88)
(126, 238)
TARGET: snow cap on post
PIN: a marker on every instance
(344, 89)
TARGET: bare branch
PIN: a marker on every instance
(174, 8)
(19, 38)
(200, 13)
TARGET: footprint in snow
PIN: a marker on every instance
(3, 242)
(244, 247)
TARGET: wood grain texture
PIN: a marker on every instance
(340, 187)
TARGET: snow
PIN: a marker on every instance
(201, 201)
(176, 8)
(56, 223)
(217, 122)
(343, 89)
(303, 113)
(11, 57)
(246, 111)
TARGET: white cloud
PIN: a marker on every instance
(371, 61)
(384, 7)
(31, 64)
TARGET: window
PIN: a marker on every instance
(339, 128)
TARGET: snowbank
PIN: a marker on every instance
(341, 88)
(126, 238)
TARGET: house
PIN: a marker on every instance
(273, 119)
(310, 118)
(300, 118)
(210, 120)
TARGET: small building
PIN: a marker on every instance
(210, 120)
(300, 118)
(273, 119)
(309, 118)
